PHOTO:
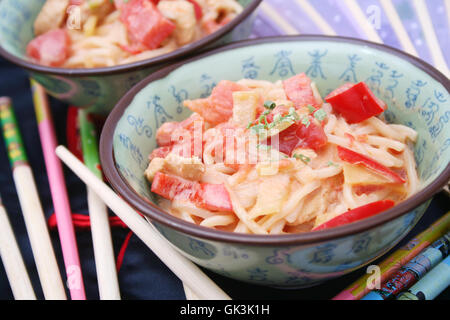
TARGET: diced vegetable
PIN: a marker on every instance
(188, 168)
(213, 197)
(272, 192)
(145, 24)
(218, 107)
(51, 48)
(245, 104)
(357, 214)
(358, 175)
(155, 166)
(355, 103)
(298, 90)
(355, 158)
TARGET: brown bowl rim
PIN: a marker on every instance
(184, 51)
(145, 207)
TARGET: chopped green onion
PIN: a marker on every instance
(311, 108)
(302, 157)
(269, 105)
(320, 115)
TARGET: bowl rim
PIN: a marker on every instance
(184, 51)
(152, 211)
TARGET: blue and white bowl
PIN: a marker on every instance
(417, 95)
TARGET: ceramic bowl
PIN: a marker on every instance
(98, 89)
(418, 97)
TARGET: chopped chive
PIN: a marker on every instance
(302, 157)
(331, 163)
(311, 108)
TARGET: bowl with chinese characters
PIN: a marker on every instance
(417, 95)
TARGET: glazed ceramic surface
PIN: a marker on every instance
(416, 98)
(98, 89)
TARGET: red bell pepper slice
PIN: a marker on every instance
(353, 157)
(357, 214)
(213, 197)
(355, 103)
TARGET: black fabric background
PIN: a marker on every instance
(142, 275)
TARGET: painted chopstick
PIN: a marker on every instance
(183, 268)
(17, 274)
(59, 193)
(431, 285)
(34, 217)
(394, 261)
(101, 233)
(413, 271)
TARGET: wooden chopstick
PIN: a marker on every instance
(186, 270)
(16, 272)
(32, 211)
(108, 283)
